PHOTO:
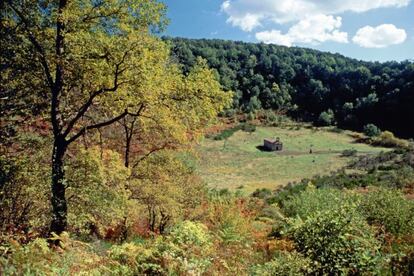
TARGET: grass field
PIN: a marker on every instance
(238, 162)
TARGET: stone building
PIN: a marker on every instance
(273, 144)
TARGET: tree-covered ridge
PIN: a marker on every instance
(312, 85)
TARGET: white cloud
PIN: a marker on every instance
(275, 37)
(247, 23)
(379, 37)
(249, 14)
(311, 30)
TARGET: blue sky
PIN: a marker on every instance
(364, 29)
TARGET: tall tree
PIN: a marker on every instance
(81, 56)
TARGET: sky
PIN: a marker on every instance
(374, 30)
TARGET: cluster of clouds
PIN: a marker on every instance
(312, 21)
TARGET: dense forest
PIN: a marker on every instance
(311, 85)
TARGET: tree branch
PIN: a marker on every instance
(98, 125)
(85, 107)
(35, 43)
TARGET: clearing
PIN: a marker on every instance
(238, 162)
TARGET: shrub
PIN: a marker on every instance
(371, 130)
(337, 240)
(270, 118)
(233, 226)
(248, 128)
(137, 258)
(230, 112)
(314, 200)
(227, 133)
(387, 139)
(96, 189)
(262, 193)
(186, 250)
(74, 258)
(284, 263)
(390, 209)
(349, 152)
(24, 194)
(327, 118)
(165, 185)
(251, 116)
(190, 234)
(286, 192)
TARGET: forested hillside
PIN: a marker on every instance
(321, 87)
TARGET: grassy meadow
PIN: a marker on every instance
(238, 162)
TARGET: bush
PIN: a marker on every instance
(349, 153)
(327, 118)
(286, 192)
(74, 258)
(262, 193)
(230, 112)
(284, 263)
(387, 139)
(186, 250)
(227, 133)
(390, 209)
(337, 240)
(251, 116)
(190, 234)
(248, 128)
(94, 181)
(371, 130)
(314, 200)
(24, 194)
(137, 258)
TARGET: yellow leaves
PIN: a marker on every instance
(164, 183)
(96, 187)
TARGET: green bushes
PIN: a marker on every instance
(371, 130)
(227, 133)
(327, 228)
(24, 194)
(74, 258)
(315, 200)
(326, 118)
(390, 209)
(270, 118)
(284, 263)
(349, 153)
(345, 232)
(283, 194)
(337, 240)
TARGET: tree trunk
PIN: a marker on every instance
(58, 200)
(127, 149)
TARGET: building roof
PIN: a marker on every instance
(273, 141)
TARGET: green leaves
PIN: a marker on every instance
(338, 241)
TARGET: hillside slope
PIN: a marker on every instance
(308, 83)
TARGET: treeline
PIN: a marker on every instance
(311, 85)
